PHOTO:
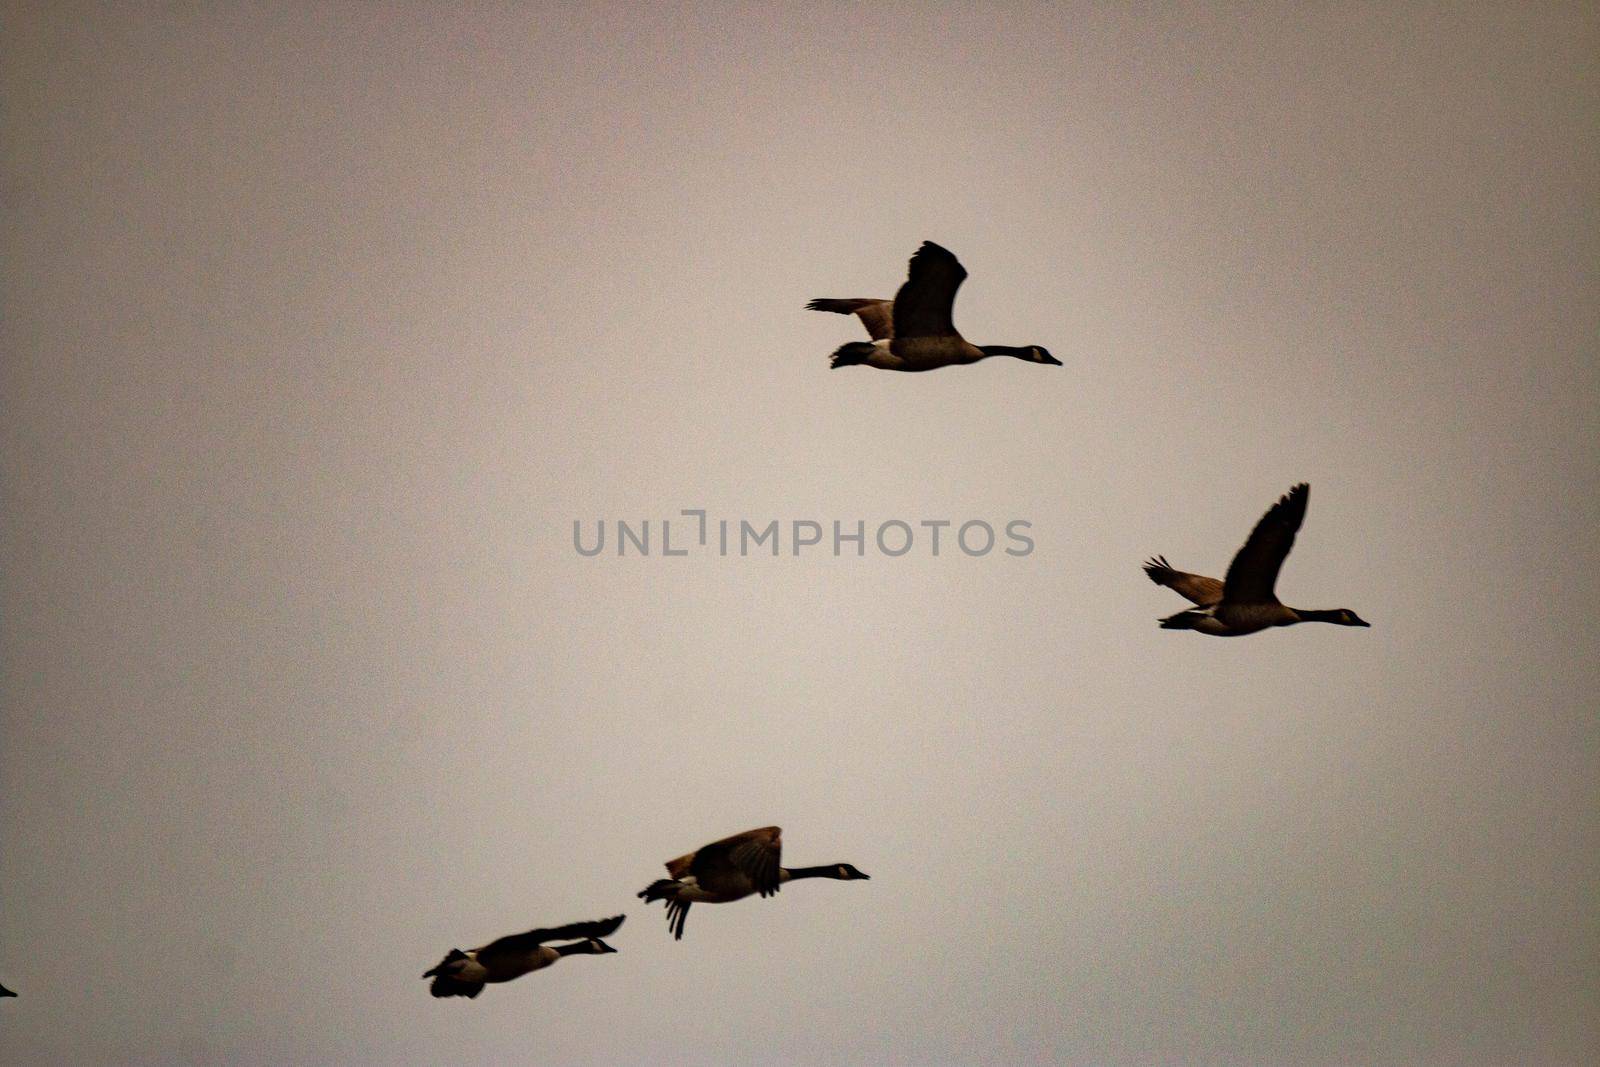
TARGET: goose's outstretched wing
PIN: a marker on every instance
(1195, 587)
(527, 942)
(876, 315)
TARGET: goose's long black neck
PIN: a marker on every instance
(577, 948)
(1312, 615)
(1005, 350)
(830, 871)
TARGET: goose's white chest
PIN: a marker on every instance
(693, 892)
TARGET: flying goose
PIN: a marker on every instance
(1244, 602)
(4, 992)
(914, 331)
(729, 870)
(463, 974)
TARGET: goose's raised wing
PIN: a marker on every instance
(922, 307)
(753, 855)
(1253, 574)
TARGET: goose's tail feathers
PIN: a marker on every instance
(1184, 620)
(850, 355)
(439, 968)
(445, 986)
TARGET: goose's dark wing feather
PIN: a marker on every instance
(922, 307)
(1195, 587)
(526, 942)
(677, 915)
(1253, 574)
(752, 855)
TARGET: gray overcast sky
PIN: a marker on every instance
(323, 322)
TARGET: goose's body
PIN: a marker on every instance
(732, 869)
(915, 331)
(1234, 620)
(1245, 601)
(464, 974)
(910, 353)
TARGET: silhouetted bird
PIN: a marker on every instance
(463, 974)
(914, 331)
(1244, 602)
(732, 869)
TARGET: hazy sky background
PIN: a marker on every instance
(322, 323)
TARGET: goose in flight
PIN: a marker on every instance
(4, 992)
(1244, 601)
(914, 331)
(732, 869)
(463, 974)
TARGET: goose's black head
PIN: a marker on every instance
(1337, 616)
(1026, 353)
(591, 946)
(848, 873)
